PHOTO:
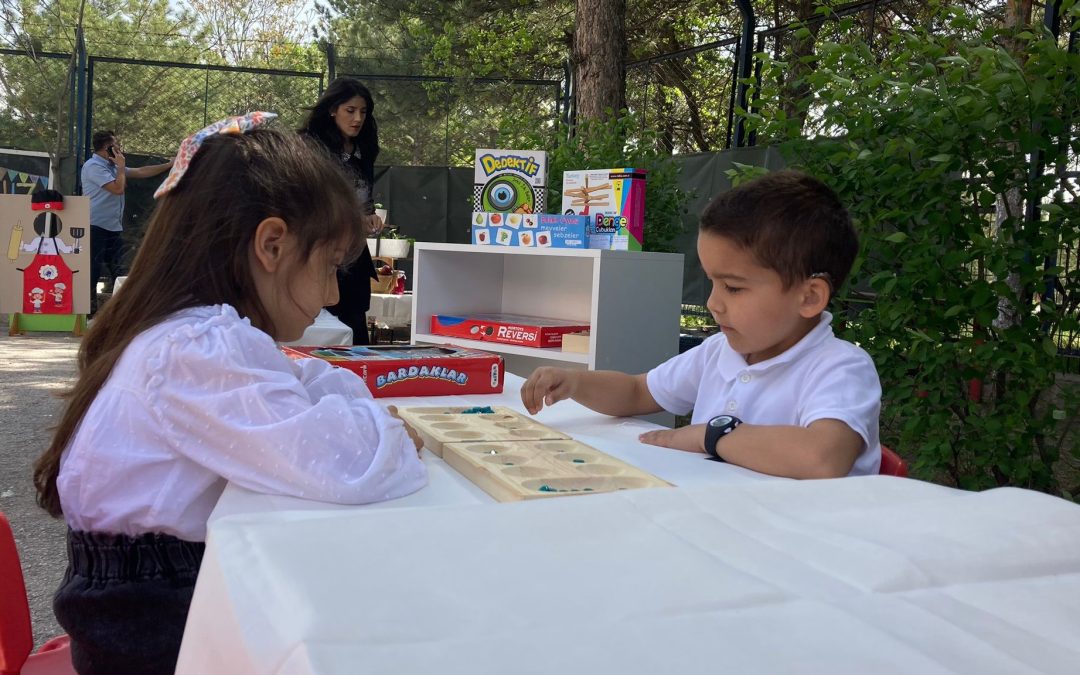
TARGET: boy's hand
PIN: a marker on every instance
(547, 386)
(690, 438)
(417, 441)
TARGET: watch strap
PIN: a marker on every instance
(715, 429)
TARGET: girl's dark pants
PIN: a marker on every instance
(124, 600)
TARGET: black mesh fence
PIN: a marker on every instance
(153, 105)
(433, 121)
(35, 100)
(686, 96)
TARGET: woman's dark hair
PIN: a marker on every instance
(321, 125)
(197, 251)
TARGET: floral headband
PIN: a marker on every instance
(190, 145)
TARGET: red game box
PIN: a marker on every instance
(511, 329)
(414, 370)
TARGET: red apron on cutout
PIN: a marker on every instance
(47, 284)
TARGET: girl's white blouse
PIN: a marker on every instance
(204, 398)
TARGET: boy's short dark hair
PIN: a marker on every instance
(101, 138)
(791, 222)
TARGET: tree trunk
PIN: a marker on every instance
(1011, 204)
(599, 58)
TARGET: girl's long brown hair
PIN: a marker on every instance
(196, 251)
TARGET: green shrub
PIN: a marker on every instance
(920, 138)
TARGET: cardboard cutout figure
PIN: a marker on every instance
(40, 277)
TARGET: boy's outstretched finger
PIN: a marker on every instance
(657, 437)
(688, 438)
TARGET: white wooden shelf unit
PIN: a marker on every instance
(632, 300)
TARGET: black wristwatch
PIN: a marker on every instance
(717, 428)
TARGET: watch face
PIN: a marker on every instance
(720, 420)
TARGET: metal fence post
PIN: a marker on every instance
(746, 56)
(82, 102)
(206, 97)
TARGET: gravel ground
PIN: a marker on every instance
(34, 368)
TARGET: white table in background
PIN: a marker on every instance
(726, 573)
(327, 330)
(389, 310)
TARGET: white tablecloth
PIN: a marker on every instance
(392, 311)
(326, 330)
(726, 573)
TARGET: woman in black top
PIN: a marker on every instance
(343, 122)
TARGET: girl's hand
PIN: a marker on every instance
(417, 441)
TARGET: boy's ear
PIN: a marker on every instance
(270, 243)
(815, 297)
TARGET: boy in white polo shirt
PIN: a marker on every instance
(774, 391)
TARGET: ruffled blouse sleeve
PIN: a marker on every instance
(227, 399)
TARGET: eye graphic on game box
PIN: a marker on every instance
(508, 193)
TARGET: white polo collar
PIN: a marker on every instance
(732, 364)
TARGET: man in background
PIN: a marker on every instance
(104, 180)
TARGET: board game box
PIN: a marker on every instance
(511, 329)
(614, 199)
(510, 181)
(538, 230)
(414, 370)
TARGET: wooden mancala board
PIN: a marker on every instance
(512, 457)
(441, 425)
(511, 471)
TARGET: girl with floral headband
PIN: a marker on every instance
(182, 388)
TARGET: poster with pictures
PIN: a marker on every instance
(46, 266)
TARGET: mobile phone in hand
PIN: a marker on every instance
(112, 151)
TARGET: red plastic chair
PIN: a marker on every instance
(892, 464)
(16, 637)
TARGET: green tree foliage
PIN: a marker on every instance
(152, 106)
(442, 122)
(921, 138)
(31, 86)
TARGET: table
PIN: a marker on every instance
(729, 572)
(615, 436)
(389, 310)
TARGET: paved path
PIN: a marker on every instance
(34, 369)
